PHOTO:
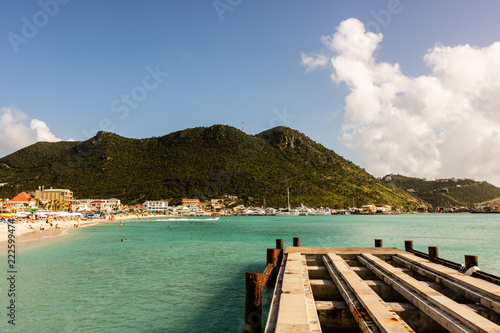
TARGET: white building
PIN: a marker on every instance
(385, 209)
(97, 205)
(369, 208)
(155, 205)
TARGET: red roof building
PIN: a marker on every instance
(22, 202)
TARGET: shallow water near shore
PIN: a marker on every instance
(188, 275)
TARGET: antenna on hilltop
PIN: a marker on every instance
(243, 126)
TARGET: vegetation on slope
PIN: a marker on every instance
(200, 162)
(461, 192)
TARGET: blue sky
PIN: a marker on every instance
(240, 62)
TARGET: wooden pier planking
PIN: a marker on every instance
(435, 304)
(358, 311)
(385, 319)
(354, 272)
(485, 293)
(297, 311)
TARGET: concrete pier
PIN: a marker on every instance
(378, 289)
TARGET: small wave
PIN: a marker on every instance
(63, 232)
(180, 219)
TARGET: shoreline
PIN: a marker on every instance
(26, 237)
(28, 234)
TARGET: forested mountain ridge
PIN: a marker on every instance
(447, 192)
(204, 162)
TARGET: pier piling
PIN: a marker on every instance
(470, 261)
(255, 283)
(253, 302)
(279, 246)
(408, 245)
(272, 261)
(296, 241)
(379, 243)
(433, 253)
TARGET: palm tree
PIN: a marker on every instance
(58, 205)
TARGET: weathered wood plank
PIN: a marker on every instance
(275, 302)
(343, 250)
(362, 318)
(483, 292)
(467, 317)
(385, 319)
(333, 314)
(312, 313)
(297, 312)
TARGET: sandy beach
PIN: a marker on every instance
(28, 232)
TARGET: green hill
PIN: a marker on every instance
(199, 162)
(447, 192)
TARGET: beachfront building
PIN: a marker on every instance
(153, 206)
(369, 208)
(191, 203)
(21, 202)
(384, 209)
(80, 205)
(96, 205)
(54, 195)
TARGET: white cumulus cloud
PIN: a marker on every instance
(446, 124)
(18, 131)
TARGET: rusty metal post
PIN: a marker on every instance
(279, 246)
(470, 261)
(253, 302)
(296, 241)
(433, 253)
(408, 245)
(272, 259)
(379, 242)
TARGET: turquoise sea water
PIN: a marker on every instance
(190, 277)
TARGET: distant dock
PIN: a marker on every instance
(371, 289)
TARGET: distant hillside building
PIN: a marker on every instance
(191, 203)
(155, 205)
(387, 178)
(441, 190)
(62, 195)
(217, 203)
